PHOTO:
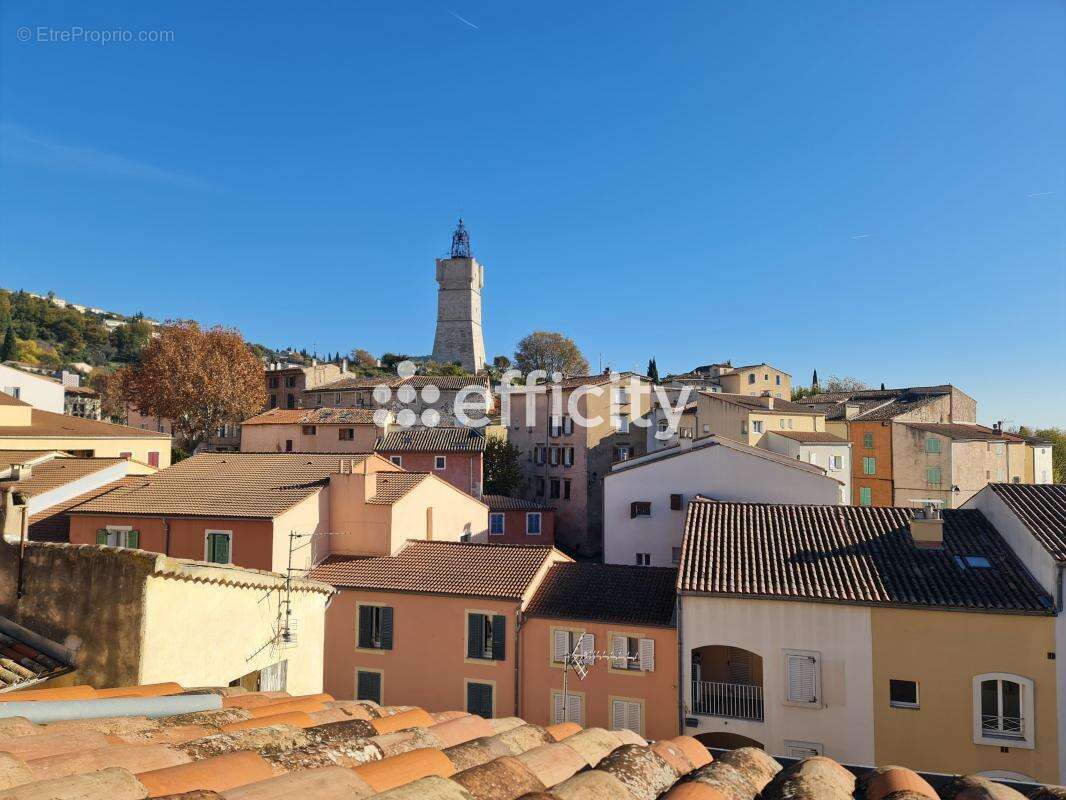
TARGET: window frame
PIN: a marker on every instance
(868, 441)
(440, 463)
(904, 704)
(540, 523)
(479, 682)
(1026, 706)
(932, 445)
(208, 533)
(498, 515)
(359, 646)
(345, 434)
(816, 656)
(869, 465)
(381, 684)
(397, 460)
(639, 702)
(570, 693)
(869, 493)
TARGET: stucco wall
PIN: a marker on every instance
(104, 447)
(326, 439)
(454, 514)
(427, 665)
(36, 390)
(211, 633)
(713, 471)
(839, 633)
(514, 529)
(943, 651)
(657, 689)
(462, 470)
(880, 483)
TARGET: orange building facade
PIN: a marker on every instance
(871, 463)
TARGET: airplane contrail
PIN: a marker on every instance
(464, 20)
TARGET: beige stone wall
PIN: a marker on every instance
(140, 447)
(974, 465)
(326, 438)
(911, 462)
(437, 510)
(766, 379)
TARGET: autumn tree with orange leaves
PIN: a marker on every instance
(198, 379)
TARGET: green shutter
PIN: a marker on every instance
(479, 699)
(218, 548)
(865, 496)
(386, 627)
(133, 539)
(368, 686)
(475, 636)
(366, 621)
(932, 445)
(868, 440)
(499, 637)
(932, 475)
(101, 536)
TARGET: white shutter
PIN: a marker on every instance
(586, 647)
(553, 456)
(619, 650)
(647, 655)
(558, 712)
(802, 670)
(560, 645)
(618, 715)
(633, 717)
(802, 750)
(574, 709)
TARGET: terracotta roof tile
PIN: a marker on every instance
(53, 524)
(394, 486)
(49, 424)
(1041, 508)
(453, 568)
(500, 502)
(8, 400)
(810, 437)
(58, 472)
(607, 593)
(10, 457)
(850, 554)
(432, 440)
(26, 658)
(960, 432)
(313, 416)
(252, 485)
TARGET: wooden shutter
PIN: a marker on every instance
(475, 636)
(366, 623)
(368, 686)
(560, 645)
(646, 650)
(558, 711)
(619, 650)
(101, 536)
(133, 539)
(676, 502)
(499, 637)
(802, 678)
(479, 699)
(386, 627)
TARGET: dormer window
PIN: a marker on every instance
(974, 562)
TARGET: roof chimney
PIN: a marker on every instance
(767, 401)
(344, 365)
(927, 523)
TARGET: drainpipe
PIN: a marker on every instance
(166, 537)
(1058, 587)
(517, 659)
(23, 536)
(680, 669)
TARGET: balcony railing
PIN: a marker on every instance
(1002, 727)
(732, 700)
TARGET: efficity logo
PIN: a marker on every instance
(473, 404)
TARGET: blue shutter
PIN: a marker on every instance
(386, 627)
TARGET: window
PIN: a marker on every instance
(533, 523)
(273, 401)
(627, 714)
(217, 547)
(639, 508)
(866, 496)
(274, 382)
(555, 426)
(632, 653)
(290, 381)
(643, 559)
(566, 488)
(974, 562)
(1003, 710)
(368, 685)
(485, 634)
(932, 445)
(813, 457)
(375, 627)
(902, 694)
(553, 456)
(802, 678)
(118, 536)
(440, 462)
(836, 462)
(622, 453)
(932, 476)
(623, 423)
(743, 427)
(782, 422)
(868, 441)
(397, 460)
(496, 524)
(153, 458)
(568, 426)
(869, 465)
(621, 395)
(756, 426)
(540, 486)
(480, 699)
(565, 642)
(568, 456)
(676, 502)
(290, 401)
(570, 708)
(675, 555)
(777, 379)
(751, 378)
(308, 430)
(553, 488)
(802, 750)
(346, 434)
(288, 445)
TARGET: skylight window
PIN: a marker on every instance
(976, 562)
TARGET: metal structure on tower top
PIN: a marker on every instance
(461, 242)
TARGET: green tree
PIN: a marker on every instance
(551, 352)
(843, 384)
(503, 470)
(653, 370)
(130, 339)
(9, 347)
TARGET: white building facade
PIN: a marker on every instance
(820, 448)
(40, 392)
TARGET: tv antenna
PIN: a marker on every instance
(286, 624)
(581, 660)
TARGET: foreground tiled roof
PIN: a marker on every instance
(11, 457)
(253, 485)
(47, 424)
(501, 502)
(454, 568)
(1042, 508)
(313, 416)
(393, 486)
(8, 400)
(811, 437)
(269, 745)
(850, 554)
(432, 440)
(961, 432)
(58, 472)
(607, 593)
(53, 523)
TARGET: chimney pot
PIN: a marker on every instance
(927, 524)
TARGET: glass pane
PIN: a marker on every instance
(989, 702)
(1012, 699)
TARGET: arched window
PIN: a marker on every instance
(751, 377)
(1003, 710)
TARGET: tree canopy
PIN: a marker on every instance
(551, 352)
(503, 469)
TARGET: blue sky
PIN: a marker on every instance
(869, 189)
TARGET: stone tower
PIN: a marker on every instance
(460, 278)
